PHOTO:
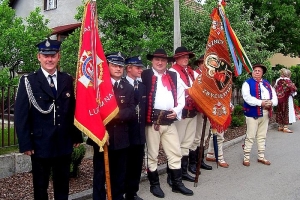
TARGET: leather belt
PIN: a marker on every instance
(186, 113)
(159, 117)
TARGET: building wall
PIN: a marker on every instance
(284, 60)
(62, 15)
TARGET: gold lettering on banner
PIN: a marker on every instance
(95, 111)
(217, 96)
(213, 42)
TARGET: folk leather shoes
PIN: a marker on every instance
(223, 164)
(286, 130)
(246, 163)
(264, 161)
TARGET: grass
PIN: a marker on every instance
(4, 148)
(8, 150)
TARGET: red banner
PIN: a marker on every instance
(211, 91)
(95, 101)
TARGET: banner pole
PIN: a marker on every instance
(200, 153)
(107, 173)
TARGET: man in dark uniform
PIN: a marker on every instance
(44, 114)
(134, 68)
(117, 129)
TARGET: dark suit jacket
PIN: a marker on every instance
(137, 125)
(35, 130)
(117, 128)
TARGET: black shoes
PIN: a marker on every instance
(184, 166)
(177, 185)
(193, 156)
(155, 185)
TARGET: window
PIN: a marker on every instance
(50, 4)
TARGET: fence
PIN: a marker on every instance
(8, 132)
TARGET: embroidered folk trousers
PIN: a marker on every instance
(256, 129)
(166, 135)
(186, 129)
(198, 133)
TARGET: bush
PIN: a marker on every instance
(76, 158)
(237, 121)
(238, 110)
(237, 118)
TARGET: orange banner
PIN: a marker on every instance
(212, 89)
(95, 101)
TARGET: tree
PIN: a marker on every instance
(284, 17)
(195, 24)
(69, 53)
(17, 40)
(138, 27)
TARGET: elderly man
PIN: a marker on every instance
(259, 97)
(135, 157)
(44, 115)
(165, 101)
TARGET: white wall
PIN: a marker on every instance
(62, 15)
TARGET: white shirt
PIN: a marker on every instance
(164, 98)
(54, 77)
(130, 80)
(253, 101)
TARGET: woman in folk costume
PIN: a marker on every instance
(285, 90)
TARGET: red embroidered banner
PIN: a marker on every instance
(95, 101)
(212, 89)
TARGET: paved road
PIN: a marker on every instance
(279, 181)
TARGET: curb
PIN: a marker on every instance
(88, 194)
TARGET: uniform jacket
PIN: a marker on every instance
(40, 132)
(117, 128)
(137, 125)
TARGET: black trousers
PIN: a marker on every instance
(41, 170)
(117, 167)
(135, 159)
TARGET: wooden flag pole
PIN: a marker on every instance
(107, 173)
(201, 149)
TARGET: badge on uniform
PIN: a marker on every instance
(68, 94)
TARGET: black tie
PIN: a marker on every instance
(116, 85)
(52, 86)
(136, 88)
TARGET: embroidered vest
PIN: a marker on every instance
(255, 90)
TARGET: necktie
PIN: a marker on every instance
(135, 85)
(116, 85)
(52, 86)
(136, 89)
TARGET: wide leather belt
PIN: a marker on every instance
(188, 113)
(159, 117)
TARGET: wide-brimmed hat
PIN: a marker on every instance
(159, 53)
(116, 58)
(182, 51)
(135, 60)
(201, 59)
(261, 66)
(49, 47)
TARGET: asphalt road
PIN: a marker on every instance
(279, 181)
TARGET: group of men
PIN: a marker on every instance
(154, 108)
